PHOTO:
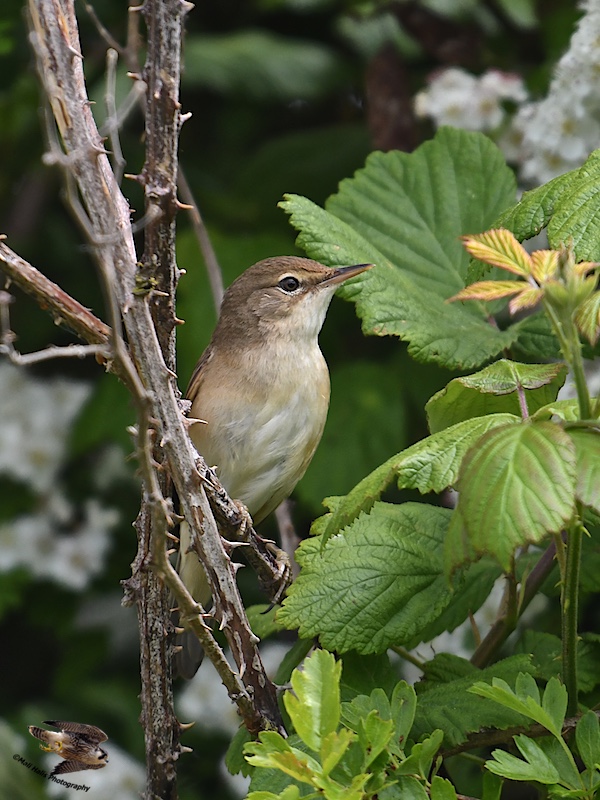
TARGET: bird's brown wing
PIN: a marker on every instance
(196, 379)
(91, 732)
(74, 766)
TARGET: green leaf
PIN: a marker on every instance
(576, 215)
(420, 760)
(314, 708)
(273, 779)
(234, 757)
(550, 715)
(587, 449)
(587, 318)
(289, 793)
(495, 390)
(587, 735)
(261, 65)
(492, 786)
(533, 212)
(333, 747)
(563, 761)
(517, 485)
(405, 213)
(400, 711)
(537, 340)
(362, 674)
(567, 410)
(449, 705)
(378, 583)
(272, 751)
(567, 206)
(467, 598)
(537, 766)
(442, 789)
(430, 465)
(407, 788)
(294, 656)
(374, 735)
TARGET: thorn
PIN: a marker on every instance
(179, 630)
(189, 421)
(176, 649)
(179, 321)
(184, 749)
(135, 76)
(183, 206)
(136, 178)
(172, 536)
(185, 726)
(172, 550)
(184, 117)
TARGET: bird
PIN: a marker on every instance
(259, 397)
(75, 742)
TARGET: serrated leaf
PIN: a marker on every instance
(431, 465)
(495, 390)
(532, 213)
(272, 751)
(451, 707)
(378, 583)
(587, 735)
(587, 318)
(404, 213)
(363, 674)
(587, 449)
(500, 248)
(536, 340)
(516, 486)
(546, 651)
(314, 708)
(467, 598)
(489, 290)
(576, 215)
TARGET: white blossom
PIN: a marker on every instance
(34, 424)
(39, 543)
(455, 97)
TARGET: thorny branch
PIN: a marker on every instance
(56, 43)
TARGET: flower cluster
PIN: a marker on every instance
(455, 97)
(557, 134)
(55, 541)
(544, 138)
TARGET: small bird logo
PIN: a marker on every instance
(75, 742)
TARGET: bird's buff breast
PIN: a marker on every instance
(261, 436)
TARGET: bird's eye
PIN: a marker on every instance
(289, 284)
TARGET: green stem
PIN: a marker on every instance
(570, 607)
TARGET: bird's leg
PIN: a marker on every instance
(270, 562)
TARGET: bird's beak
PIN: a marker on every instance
(343, 273)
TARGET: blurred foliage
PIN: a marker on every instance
(284, 96)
